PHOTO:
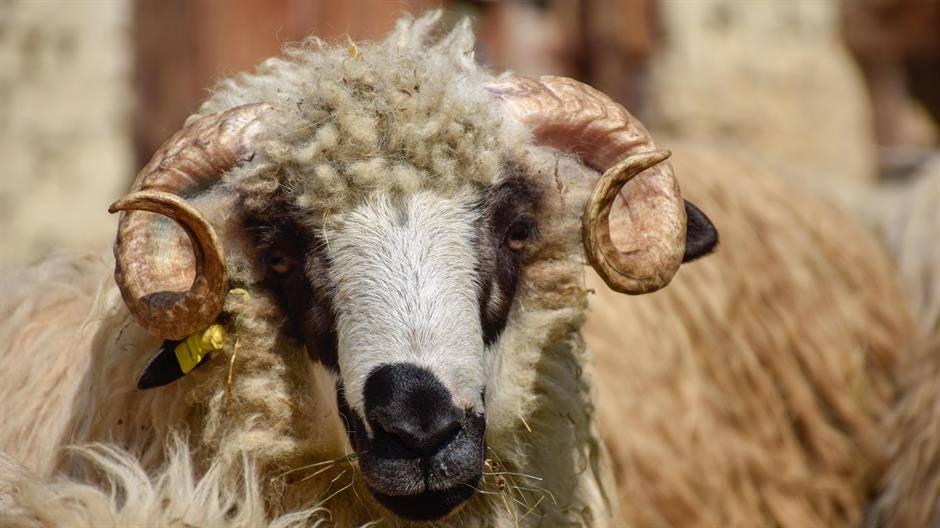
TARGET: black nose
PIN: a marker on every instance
(410, 404)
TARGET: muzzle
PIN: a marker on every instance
(420, 454)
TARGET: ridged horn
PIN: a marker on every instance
(573, 117)
(171, 291)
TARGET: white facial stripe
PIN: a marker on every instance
(406, 291)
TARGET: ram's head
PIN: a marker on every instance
(401, 290)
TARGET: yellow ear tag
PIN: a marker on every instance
(190, 351)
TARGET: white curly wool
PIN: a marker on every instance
(394, 115)
(174, 496)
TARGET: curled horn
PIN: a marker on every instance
(170, 292)
(565, 114)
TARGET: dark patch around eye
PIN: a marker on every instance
(519, 234)
(280, 261)
(508, 225)
(298, 270)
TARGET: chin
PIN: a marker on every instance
(428, 505)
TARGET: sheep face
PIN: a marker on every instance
(394, 194)
(404, 297)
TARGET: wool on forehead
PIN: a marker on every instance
(400, 114)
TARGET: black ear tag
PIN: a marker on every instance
(175, 359)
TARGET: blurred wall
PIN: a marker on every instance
(897, 46)
(606, 43)
(182, 47)
(64, 102)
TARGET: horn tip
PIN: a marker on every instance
(661, 155)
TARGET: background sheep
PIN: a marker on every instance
(909, 488)
(907, 496)
(910, 223)
(785, 65)
(874, 161)
(905, 215)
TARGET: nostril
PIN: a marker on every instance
(410, 404)
(424, 438)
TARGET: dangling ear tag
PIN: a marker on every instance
(177, 358)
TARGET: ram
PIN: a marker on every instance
(380, 247)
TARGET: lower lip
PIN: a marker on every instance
(430, 505)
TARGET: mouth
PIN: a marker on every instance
(423, 487)
(429, 505)
(420, 486)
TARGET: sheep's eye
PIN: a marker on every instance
(280, 262)
(517, 236)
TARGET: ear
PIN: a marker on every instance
(701, 236)
(165, 367)
(162, 369)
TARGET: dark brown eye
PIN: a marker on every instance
(518, 236)
(280, 262)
